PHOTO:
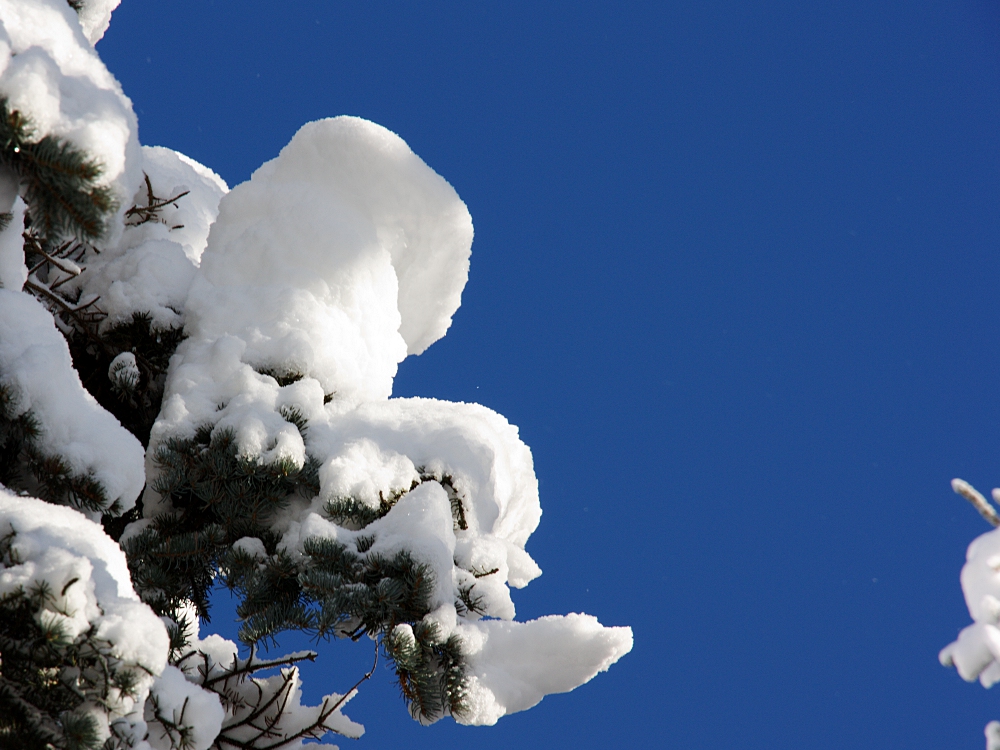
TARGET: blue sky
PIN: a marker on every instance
(735, 277)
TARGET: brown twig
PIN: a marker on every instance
(966, 490)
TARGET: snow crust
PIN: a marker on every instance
(50, 72)
(35, 363)
(55, 545)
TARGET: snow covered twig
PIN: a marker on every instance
(970, 493)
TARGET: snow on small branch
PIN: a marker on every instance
(138, 215)
(970, 493)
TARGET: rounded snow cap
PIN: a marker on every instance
(353, 165)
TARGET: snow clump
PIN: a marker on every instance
(58, 547)
(50, 73)
(976, 652)
(36, 367)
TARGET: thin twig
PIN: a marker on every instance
(148, 212)
(73, 312)
(254, 666)
(55, 262)
(966, 490)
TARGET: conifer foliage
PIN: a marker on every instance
(211, 409)
(48, 676)
(60, 181)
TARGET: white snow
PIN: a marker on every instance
(208, 659)
(334, 262)
(55, 545)
(331, 261)
(252, 546)
(13, 272)
(197, 711)
(348, 196)
(294, 717)
(123, 371)
(35, 362)
(150, 269)
(50, 72)
(515, 664)
(330, 264)
(95, 17)
(992, 733)
(976, 652)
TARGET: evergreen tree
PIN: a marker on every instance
(216, 510)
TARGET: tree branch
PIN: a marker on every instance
(966, 490)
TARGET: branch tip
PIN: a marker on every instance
(970, 493)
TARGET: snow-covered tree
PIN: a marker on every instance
(195, 391)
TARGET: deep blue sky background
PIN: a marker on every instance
(735, 277)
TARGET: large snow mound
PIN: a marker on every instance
(320, 274)
(50, 73)
(336, 259)
(35, 363)
(55, 545)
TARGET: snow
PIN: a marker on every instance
(344, 196)
(186, 705)
(992, 733)
(420, 522)
(515, 664)
(50, 72)
(13, 272)
(95, 17)
(289, 715)
(56, 544)
(252, 546)
(208, 659)
(976, 652)
(332, 263)
(123, 371)
(35, 362)
(151, 267)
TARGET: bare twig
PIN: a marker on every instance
(987, 511)
(254, 666)
(71, 311)
(315, 730)
(154, 205)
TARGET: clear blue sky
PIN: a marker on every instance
(735, 277)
